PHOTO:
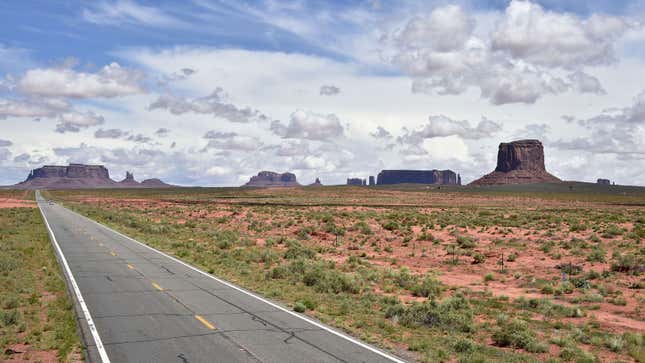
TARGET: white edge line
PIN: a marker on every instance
(77, 292)
(310, 321)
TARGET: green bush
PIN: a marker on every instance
(515, 333)
(628, 263)
(299, 307)
(453, 313)
(466, 242)
(478, 258)
(296, 250)
(428, 287)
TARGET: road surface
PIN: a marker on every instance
(136, 304)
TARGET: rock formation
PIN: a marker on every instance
(78, 176)
(317, 183)
(604, 181)
(356, 181)
(519, 162)
(417, 177)
(372, 180)
(271, 179)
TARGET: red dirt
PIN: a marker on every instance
(16, 203)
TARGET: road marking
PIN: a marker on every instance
(130, 267)
(248, 293)
(101, 244)
(205, 322)
(72, 281)
(113, 253)
(156, 286)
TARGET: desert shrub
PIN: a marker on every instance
(391, 226)
(464, 345)
(478, 258)
(9, 317)
(226, 239)
(296, 250)
(489, 277)
(466, 242)
(299, 307)
(512, 257)
(331, 281)
(612, 231)
(428, 287)
(515, 333)
(628, 263)
(453, 313)
(596, 255)
(403, 278)
(362, 227)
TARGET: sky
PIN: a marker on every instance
(207, 92)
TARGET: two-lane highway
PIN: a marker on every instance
(136, 304)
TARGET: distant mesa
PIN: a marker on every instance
(266, 179)
(372, 180)
(603, 181)
(81, 176)
(519, 162)
(356, 181)
(443, 177)
(317, 183)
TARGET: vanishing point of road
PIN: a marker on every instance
(137, 304)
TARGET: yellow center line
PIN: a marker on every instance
(156, 286)
(205, 322)
(130, 267)
(113, 253)
(101, 244)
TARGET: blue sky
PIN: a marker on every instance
(315, 87)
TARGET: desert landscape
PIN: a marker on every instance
(460, 274)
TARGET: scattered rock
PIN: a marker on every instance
(271, 179)
(417, 177)
(519, 162)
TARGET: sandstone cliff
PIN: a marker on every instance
(417, 177)
(271, 179)
(519, 162)
(79, 176)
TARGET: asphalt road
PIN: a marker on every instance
(136, 304)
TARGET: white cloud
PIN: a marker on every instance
(214, 104)
(5, 143)
(231, 141)
(525, 57)
(5, 154)
(124, 12)
(442, 126)
(111, 81)
(309, 125)
(74, 121)
(35, 108)
(553, 39)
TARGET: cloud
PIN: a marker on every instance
(230, 141)
(550, 39)
(111, 81)
(127, 12)
(139, 138)
(521, 60)
(290, 148)
(618, 131)
(22, 158)
(5, 154)
(74, 121)
(5, 143)
(162, 132)
(381, 133)
(329, 90)
(109, 133)
(213, 104)
(442, 126)
(36, 108)
(309, 125)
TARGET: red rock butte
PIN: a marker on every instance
(519, 162)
